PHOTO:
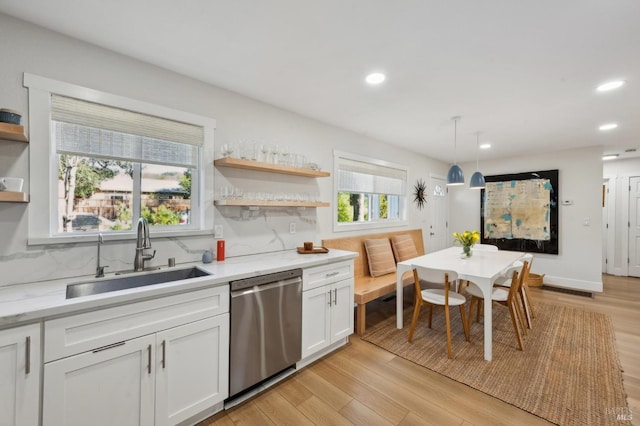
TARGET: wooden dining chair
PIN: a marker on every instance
(507, 297)
(523, 292)
(439, 296)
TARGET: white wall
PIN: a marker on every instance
(41, 52)
(578, 264)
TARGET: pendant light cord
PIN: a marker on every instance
(477, 151)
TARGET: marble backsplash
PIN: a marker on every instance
(245, 232)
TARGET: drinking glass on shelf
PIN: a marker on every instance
(284, 156)
(275, 152)
(265, 150)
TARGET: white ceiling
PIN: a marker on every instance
(523, 73)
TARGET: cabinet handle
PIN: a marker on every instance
(329, 297)
(149, 359)
(332, 274)
(335, 296)
(164, 354)
(104, 348)
(27, 367)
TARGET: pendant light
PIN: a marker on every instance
(455, 175)
(477, 179)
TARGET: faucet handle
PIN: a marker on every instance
(100, 271)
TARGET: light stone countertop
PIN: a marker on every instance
(24, 303)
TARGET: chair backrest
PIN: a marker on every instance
(437, 276)
(518, 274)
(485, 247)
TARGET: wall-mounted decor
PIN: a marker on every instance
(519, 211)
(419, 193)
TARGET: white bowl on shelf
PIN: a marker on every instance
(12, 184)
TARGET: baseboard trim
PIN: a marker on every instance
(572, 284)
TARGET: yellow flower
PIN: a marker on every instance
(467, 238)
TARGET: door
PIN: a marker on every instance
(438, 237)
(605, 225)
(634, 227)
(20, 376)
(316, 319)
(109, 386)
(342, 310)
(192, 364)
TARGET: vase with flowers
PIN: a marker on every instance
(466, 239)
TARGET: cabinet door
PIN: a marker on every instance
(192, 369)
(112, 385)
(315, 320)
(341, 310)
(20, 375)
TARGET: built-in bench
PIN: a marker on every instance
(368, 288)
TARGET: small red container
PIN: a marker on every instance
(220, 251)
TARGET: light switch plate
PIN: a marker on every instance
(217, 231)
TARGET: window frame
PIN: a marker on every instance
(44, 166)
(385, 223)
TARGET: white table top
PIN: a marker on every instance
(483, 264)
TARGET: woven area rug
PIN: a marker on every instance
(568, 374)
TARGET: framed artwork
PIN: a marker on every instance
(519, 212)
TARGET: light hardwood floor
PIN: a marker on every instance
(363, 384)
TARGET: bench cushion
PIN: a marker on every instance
(380, 256)
(403, 247)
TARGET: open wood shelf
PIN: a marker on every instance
(270, 203)
(13, 197)
(12, 132)
(238, 163)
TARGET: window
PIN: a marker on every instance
(112, 160)
(369, 193)
(117, 165)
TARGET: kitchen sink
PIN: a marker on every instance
(132, 281)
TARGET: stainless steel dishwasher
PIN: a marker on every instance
(266, 327)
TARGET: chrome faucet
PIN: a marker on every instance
(100, 269)
(142, 243)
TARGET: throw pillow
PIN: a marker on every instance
(380, 257)
(403, 247)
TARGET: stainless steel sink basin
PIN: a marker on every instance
(131, 281)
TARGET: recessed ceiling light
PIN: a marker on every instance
(485, 146)
(609, 157)
(610, 85)
(375, 78)
(608, 126)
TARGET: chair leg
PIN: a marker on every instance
(528, 297)
(430, 314)
(447, 321)
(514, 320)
(521, 317)
(525, 307)
(416, 313)
(472, 305)
(465, 324)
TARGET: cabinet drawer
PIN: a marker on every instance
(83, 332)
(318, 276)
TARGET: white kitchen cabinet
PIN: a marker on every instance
(327, 306)
(20, 375)
(192, 369)
(113, 385)
(176, 370)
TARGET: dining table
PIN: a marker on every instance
(482, 268)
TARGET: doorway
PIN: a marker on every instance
(438, 237)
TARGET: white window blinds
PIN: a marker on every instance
(361, 177)
(96, 130)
